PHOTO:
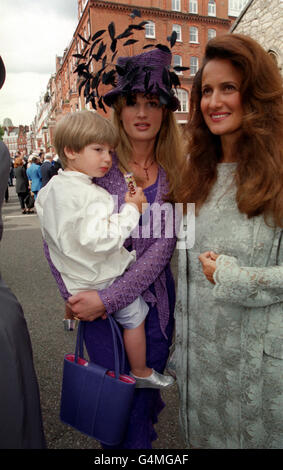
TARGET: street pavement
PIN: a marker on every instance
(26, 272)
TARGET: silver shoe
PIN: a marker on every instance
(155, 380)
(69, 324)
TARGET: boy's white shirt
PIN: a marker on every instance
(84, 237)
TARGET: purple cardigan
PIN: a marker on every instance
(153, 256)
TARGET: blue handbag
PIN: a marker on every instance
(94, 400)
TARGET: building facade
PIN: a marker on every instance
(17, 139)
(263, 21)
(195, 22)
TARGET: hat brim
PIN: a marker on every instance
(110, 98)
(2, 72)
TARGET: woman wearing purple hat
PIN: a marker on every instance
(150, 148)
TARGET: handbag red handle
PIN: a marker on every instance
(116, 333)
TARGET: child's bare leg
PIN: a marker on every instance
(135, 345)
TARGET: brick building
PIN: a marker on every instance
(195, 22)
(15, 138)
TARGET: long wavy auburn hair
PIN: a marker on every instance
(259, 148)
(169, 147)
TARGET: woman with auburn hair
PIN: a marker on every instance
(229, 318)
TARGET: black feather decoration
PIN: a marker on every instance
(104, 61)
(81, 85)
(87, 88)
(108, 78)
(125, 34)
(129, 42)
(113, 56)
(113, 45)
(165, 77)
(174, 79)
(93, 103)
(147, 80)
(78, 56)
(139, 26)
(83, 39)
(163, 96)
(178, 68)
(80, 69)
(121, 70)
(100, 104)
(163, 48)
(111, 30)
(90, 83)
(135, 13)
(101, 50)
(173, 38)
(98, 34)
(94, 44)
(95, 81)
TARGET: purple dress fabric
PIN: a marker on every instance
(151, 277)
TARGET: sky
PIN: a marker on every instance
(32, 33)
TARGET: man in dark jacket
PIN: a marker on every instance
(20, 413)
(47, 169)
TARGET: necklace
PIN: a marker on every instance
(145, 168)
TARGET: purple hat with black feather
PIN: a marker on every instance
(149, 73)
(146, 73)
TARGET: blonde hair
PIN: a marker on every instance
(77, 130)
(169, 147)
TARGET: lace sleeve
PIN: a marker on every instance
(248, 286)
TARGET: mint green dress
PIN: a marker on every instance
(229, 336)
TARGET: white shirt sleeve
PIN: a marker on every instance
(77, 219)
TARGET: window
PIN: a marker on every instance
(177, 62)
(235, 7)
(193, 6)
(274, 56)
(211, 8)
(193, 34)
(211, 33)
(176, 5)
(150, 29)
(183, 97)
(178, 29)
(193, 65)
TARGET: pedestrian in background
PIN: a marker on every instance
(22, 184)
(11, 175)
(34, 176)
(47, 170)
(20, 412)
(57, 164)
(229, 315)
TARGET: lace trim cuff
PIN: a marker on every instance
(231, 282)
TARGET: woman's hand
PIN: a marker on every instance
(208, 261)
(87, 306)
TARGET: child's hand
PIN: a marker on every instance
(138, 199)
